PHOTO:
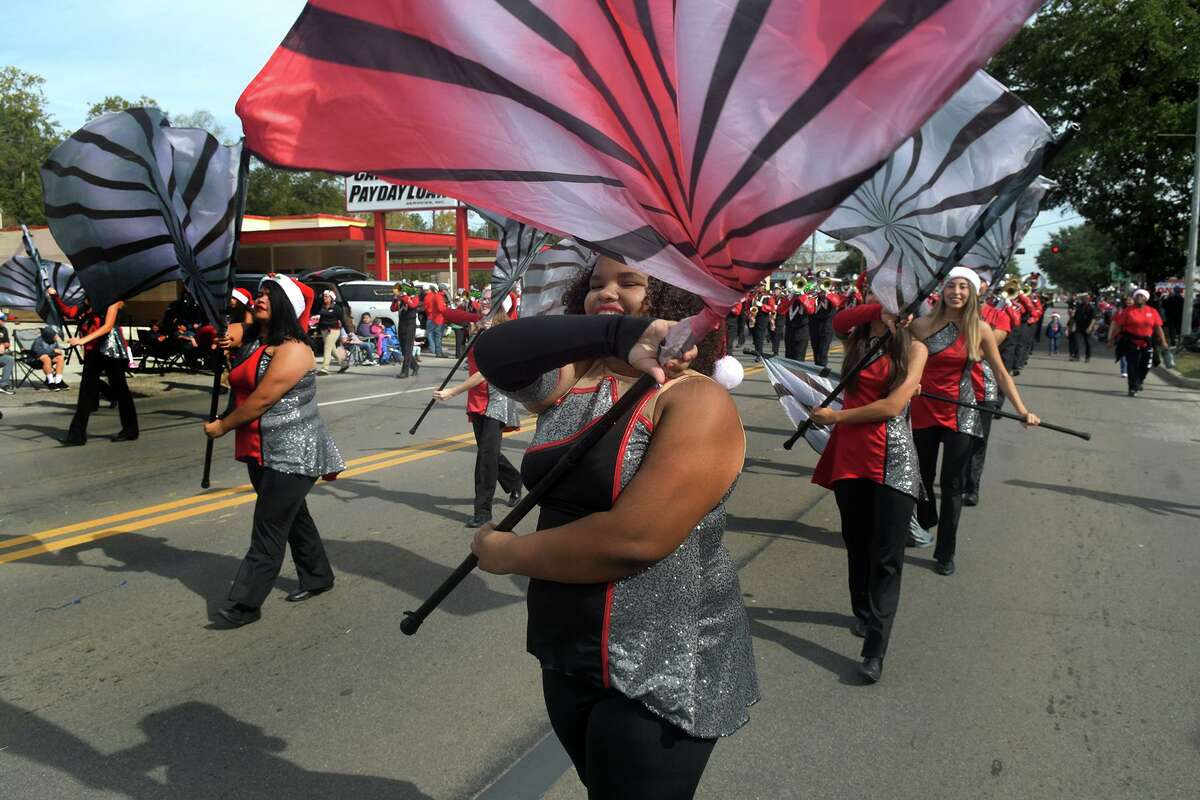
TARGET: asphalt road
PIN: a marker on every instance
(1059, 662)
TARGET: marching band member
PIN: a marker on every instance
(820, 322)
(956, 337)
(870, 463)
(280, 436)
(781, 303)
(795, 323)
(406, 304)
(640, 674)
(1001, 326)
(1133, 329)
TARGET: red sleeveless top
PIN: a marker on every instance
(949, 373)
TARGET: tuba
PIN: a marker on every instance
(1011, 289)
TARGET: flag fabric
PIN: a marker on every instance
(21, 285)
(701, 142)
(992, 252)
(801, 387)
(134, 202)
(552, 272)
(519, 245)
(912, 213)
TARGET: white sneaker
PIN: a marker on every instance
(6, 390)
(918, 536)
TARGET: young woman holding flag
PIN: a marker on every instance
(870, 464)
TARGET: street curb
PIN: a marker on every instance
(1175, 379)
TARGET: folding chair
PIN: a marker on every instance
(160, 356)
(25, 364)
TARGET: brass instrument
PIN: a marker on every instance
(827, 285)
(1012, 287)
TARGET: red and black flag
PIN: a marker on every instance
(699, 141)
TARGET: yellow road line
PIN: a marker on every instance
(226, 498)
(49, 541)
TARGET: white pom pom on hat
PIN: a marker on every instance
(728, 372)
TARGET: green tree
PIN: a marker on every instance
(200, 119)
(276, 192)
(852, 264)
(1082, 261)
(114, 102)
(27, 135)
(1126, 72)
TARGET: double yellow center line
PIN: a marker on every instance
(67, 536)
(55, 539)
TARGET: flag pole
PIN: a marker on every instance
(983, 223)
(217, 360)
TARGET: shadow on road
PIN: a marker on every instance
(348, 490)
(844, 667)
(207, 575)
(415, 575)
(761, 466)
(203, 751)
(1161, 507)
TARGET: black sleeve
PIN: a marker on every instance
(514, 355)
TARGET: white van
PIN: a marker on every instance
(371, 297)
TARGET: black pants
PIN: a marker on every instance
(979, 454)
(795, 341)
(743, 329)
(490, 464)
(1137, 366)
(1082, 345)
(759, 333)
(406, 331)
(821, 332)
(956, 459)
(281, 519)
(94, 363)
(776, 337)
(620, 749)
(874, 527)
(731, 334)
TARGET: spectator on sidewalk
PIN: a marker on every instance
(435, 319)
(47, 353)
(6, 359)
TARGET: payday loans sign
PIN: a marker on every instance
(365, 192)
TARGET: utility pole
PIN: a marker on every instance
(1189, 274)
(814, 253)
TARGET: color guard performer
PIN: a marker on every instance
(870, 463)
(956, 338)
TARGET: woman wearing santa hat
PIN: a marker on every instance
(280, 436)
(957, 338)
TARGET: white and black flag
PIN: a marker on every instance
(519, 245)
(134, 202)
(993, 251)
(912, 213)
(21, 284)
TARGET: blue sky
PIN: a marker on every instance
(187, 56)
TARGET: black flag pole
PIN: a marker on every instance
(413, 619)
(1087, 437)
(218, 361)
(1004, 200)
(449, 375)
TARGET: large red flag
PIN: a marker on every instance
(701, 141)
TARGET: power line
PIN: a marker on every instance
(1058, 221)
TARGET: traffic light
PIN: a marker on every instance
(1055, 249)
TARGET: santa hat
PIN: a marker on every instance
(1142, 292)
(967, 274)
(243, 297)
(298, 294)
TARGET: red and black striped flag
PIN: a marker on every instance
(700, 141)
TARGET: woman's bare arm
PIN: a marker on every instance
(694, 457)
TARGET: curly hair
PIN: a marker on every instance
(663, 301)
